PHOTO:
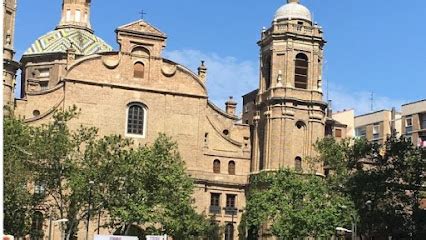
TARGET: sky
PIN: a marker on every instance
(372, 46)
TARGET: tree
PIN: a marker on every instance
(18, 200)
(288, 205)
(383, 181)
(144, 186)
(154, 190)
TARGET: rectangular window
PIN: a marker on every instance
(361, 132)
(376, 131)
(77, 16)
(215, 203)
(423, 120)
(338, 133)
(68, 17)
(44, 85)
(44, 73)
(230, 204)
(408, 124)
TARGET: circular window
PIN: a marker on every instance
(36, 113)
(300, 124)
(226, 132)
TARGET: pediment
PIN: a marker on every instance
(141, 26)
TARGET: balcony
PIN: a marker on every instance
(214, 209)
(231, 211)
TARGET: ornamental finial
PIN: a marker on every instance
(293, 1)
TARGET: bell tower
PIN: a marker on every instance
(9, 65)
(76, 14)
(290, 111)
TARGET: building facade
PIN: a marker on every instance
(378, 126)
(143, 94)
(414, 122)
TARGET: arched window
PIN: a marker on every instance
(216, 166)
(298, 164)
(267, 72)
(231, 168)
(136, 119)
(139, 70)
(301, 71)
(37, 226)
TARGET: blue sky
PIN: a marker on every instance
(373, 46)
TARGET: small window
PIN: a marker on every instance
(36, 113)
(231, 168)
(409, 124)
(338, 133)
(376, 131)
(301, 71)
(206, 139)
(361, 132)
(409, 121)
(216, 166)
(230, 204)
(139, 70)
(267, 72)
(300, 125)
(68, 17)
(44, 73)
(44, 85)
(215, 203)
(136, 119)
(298, 164)
(77, 16)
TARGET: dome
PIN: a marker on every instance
(293, 10)
(58, 41)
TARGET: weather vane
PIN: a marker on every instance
(142, 13)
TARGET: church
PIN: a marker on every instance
(135, 92)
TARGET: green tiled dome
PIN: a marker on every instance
(84, 42)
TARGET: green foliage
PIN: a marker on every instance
(145, 185)
(154, 190)
(18, 200)
(383, 182)
(289, 204)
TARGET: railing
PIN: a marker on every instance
(231, 211)
(214, 209)
(292, 27)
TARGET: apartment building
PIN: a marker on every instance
(414, 122)
(377, 126)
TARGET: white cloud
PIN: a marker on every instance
(226, 76)
(360, 101)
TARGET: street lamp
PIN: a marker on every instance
(369, 203)
(342, 230)
(91, 183)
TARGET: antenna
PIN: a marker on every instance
(372, 101)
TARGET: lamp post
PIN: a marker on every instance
(88, 210)
(369, 203)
